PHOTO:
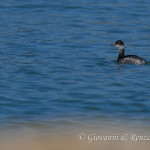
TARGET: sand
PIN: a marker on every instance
(77, 140)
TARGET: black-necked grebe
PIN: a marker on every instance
(128, 59)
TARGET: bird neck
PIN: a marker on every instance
(121, 52)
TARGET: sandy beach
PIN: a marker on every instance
(73, 140)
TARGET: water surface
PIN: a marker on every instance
(57, 67)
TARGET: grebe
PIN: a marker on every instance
(128, 59)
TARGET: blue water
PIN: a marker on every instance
(57, 67)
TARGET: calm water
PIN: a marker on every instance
(57, 67)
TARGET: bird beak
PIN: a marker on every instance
(113, 45)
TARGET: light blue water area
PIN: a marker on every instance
(57, 67)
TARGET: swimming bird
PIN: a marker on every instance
(128, 59)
